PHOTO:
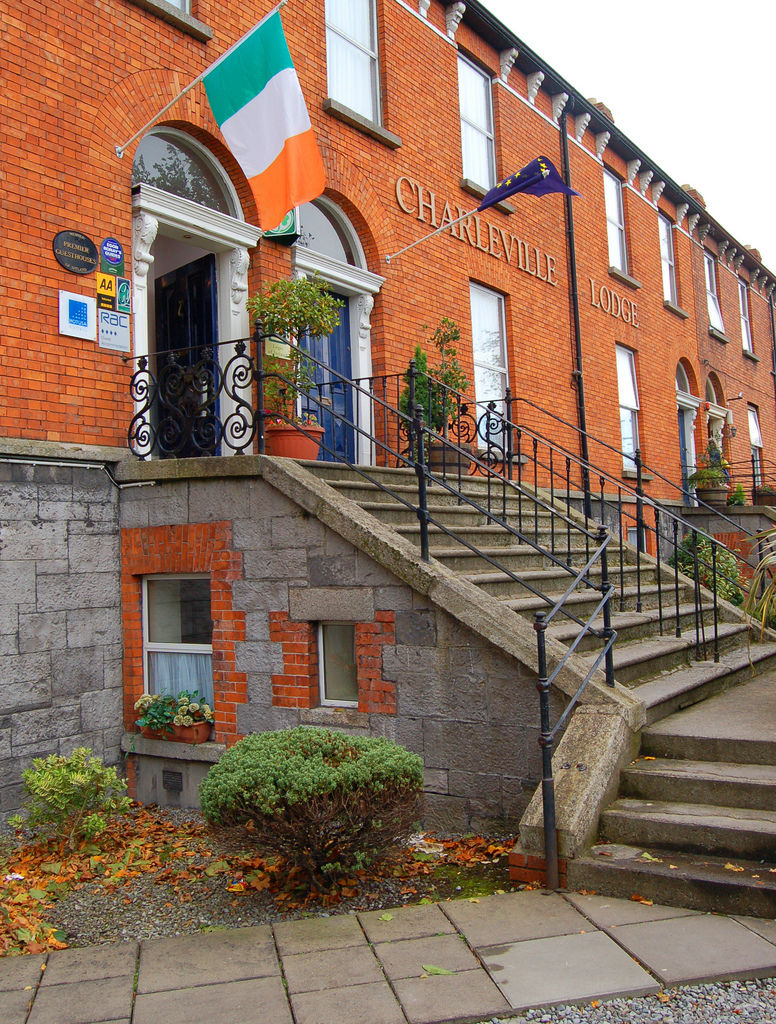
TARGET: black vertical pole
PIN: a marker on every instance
(608, 631)
(545, 742)
(420, 471)
(261, 415)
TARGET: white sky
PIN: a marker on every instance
(689, 82)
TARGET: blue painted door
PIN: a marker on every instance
(186, 333)
(332, 398)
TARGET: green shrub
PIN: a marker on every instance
(72, 797)
(325, 801)
(729, 584)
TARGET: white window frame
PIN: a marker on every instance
(157, 647)
(667, 258)
(615, 222)
(628, 396)
(371, 109)
(501, 368)
(484, 131)
(712, 294)
(746, 323)
(756, 442)
(323, 698)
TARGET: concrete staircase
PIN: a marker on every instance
(700, 801)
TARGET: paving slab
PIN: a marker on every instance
(610, 912)
(405, 923)
(16, 972)
(355, 1004)
(14, 1006)
(464, 996)
(764, 927)
(565, 969)
(704, 947)
(207, 958)
(315, 933)
(494, 920)
(406, 957)
(331, 968)
(235, 1002)
(91, 964)
(83, 1002)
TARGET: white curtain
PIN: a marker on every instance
(171, 672)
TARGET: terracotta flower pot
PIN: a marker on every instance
(287, 440)
(196, 733)
(154, 734)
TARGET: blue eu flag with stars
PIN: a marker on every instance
(539, 178)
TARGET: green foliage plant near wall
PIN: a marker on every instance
(327, 802)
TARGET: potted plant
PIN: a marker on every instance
(766, 494)
(442, 411)
(737, 496)
(182, 717)
(711, 477)
(287, 312)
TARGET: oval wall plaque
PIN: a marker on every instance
(75, 251)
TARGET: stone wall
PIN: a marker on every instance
(467, 707)
(60, 626)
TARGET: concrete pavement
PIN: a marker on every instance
(465, 960)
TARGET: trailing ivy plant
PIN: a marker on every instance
(327, 802)
(71, 798)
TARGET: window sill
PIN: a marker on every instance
(175, 16)
(626, 279)
(631, 474)
(348, 116)
(750, 355)
(479, 192)
(718, 335)
(676, 310)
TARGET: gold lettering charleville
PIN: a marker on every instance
(418, 201)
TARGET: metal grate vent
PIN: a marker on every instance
(172, 781)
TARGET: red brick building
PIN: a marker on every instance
(630, 309)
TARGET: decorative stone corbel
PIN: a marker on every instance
(632, 168)
(453, 15)
(534, 82)
(722, 246)
(423, 6)
(769, 290)
(601, 142)
(144, 231)
(692, 221)
(644, 180)
(238, 266)
(657, 191)
(581, 121)
(506, 60)
(365, 305)
(681, 213)
(703, 230)
(731, 254)
(753, 278)
(559, 101)
(739, 260)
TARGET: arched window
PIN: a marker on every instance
(175, 163)
(682, 383)
(322, 231)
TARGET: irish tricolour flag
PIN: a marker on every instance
(256, 98)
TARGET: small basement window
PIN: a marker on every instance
(337, 664)
(178, 635)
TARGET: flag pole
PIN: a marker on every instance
(120, 150)
(444, 227)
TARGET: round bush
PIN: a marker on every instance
(326, 801)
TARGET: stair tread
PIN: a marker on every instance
(622, 620)
(705, 815)
(633, 652)
(711, 771)
(686, 678)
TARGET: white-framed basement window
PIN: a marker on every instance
(629, 405)
(756, 441)
(477, 138)
(351, 56)
(746, 323)
(712, 295)
(615, 222)
(178, 635)
(337, 674)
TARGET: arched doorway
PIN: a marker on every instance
(329, 245)
(687, 409)
(190, 262)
